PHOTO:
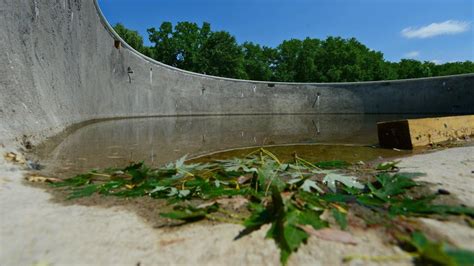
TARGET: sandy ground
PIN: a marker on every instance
(35, 230)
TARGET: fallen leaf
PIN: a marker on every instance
(387, 166)
(349, 181)
(10, 155)
(16, 158)
(205, 205)
(42, 179)
(310, 184)
(244, 179)
(330, 234)
(339, 208)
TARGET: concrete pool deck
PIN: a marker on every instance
(33, 229)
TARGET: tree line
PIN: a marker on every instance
(199, 49)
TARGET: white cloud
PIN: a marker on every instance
(412, 54)
(436, 62)
(435, 29)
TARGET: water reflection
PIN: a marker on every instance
(159, 140)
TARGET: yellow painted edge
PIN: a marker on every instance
(426, 131)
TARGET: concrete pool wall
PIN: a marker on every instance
(63, 64)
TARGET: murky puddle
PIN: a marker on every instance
(311, 152)
(115, 143)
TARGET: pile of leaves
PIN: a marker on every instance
(289, 196)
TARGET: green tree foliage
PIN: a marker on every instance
(454, 68)
(349, 60)
(257, 61)
(189, 40)
(133, 38)
(308, 67)
(199, 49)
(409, 68)
(165, 47)
(287, 57)
(222, 56)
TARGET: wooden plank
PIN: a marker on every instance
(410, 133)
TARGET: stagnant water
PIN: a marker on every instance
(114, 143)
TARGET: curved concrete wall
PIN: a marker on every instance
(61, 67)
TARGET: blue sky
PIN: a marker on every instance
(431, 30)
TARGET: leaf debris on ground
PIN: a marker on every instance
(289, 196)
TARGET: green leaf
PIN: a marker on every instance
(236, 164)
(285, 224)
(310, 184)
(387, 166)
(391, 185)
(419, 241)
(430, 251)
(332, 164)
(334, 197)
(267, 175)
(286, 235)
(138, 175)
(460, 256)
(159, 189)
(79, 180)
(190, 213)
(184, 193)
(306, 216)
(294, 181)
(294, 237)
(341, 218)
(424, 206)
(260, 216)
(180, 162)
(349, 181)
(133, 166)
(370, 201)
(107, 188)
(437, 253)
(85, 191)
